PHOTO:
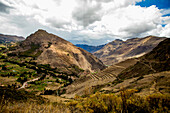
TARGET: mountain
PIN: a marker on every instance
(119, 50)
(10, 38)
(89, 48)
(59, 53)
(157, 60)
(148, 73)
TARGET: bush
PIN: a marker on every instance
(125, 102)
(22, 79)
(159, 102)
(98, 103)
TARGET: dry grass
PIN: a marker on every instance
(29, 107)
(125, 102)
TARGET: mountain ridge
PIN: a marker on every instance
(157, 60)
(10, 38)
(119, 50)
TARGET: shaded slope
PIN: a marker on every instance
(13, 95)
(157, 60)
(147, 84)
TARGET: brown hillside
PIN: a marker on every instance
(59, 53)
(119, 50)
(148, 84)
(157, 60)
(95, 81)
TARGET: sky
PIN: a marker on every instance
(92, 22)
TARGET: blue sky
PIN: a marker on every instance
(161, 4)
(92, 22)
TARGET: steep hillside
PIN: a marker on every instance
(157, 60)
(95, 81)
(10, 38)
(59, 53)
(145, 85)
(89, 48)
(119, 50)
(149, 75)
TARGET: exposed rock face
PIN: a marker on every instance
(119, 50)
(10, 38)
(53, 50)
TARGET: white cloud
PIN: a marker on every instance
(165, 11)
(165, 31)
(128, 21)
(86, 20)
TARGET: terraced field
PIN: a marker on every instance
(96, 80)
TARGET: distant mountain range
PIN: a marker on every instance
(119, 50)
(90, 48)
(10, 38)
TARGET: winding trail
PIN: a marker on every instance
(25, 83)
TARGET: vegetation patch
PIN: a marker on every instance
(31, 52)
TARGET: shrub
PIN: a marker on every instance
(159, 102)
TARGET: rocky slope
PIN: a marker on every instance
(119, 50)
(89, 48)
(10, 38)
(59, 53)
(157, 60)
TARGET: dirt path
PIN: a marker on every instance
(148, 65)
(25, 83)
(119, 66)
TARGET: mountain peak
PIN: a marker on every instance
(41, 31)
(41, 36)
(119, 40)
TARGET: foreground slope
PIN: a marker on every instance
(59, 53)
(119, 50)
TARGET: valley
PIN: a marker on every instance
(53, 73)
